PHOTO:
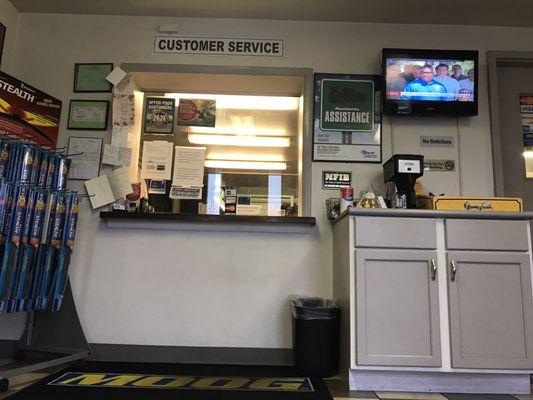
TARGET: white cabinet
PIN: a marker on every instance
(435, 303)
(397, 308)
(491, 310)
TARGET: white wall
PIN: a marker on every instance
(9, 17)
(201, 289)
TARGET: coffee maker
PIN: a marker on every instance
(400, 173)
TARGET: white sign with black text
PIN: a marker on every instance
(218, 46)
(336, 180)
(439, 165)
(437, 141)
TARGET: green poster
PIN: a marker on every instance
(346, 105)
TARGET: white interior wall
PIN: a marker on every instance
(207, 289)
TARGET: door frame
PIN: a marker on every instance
(496, 59)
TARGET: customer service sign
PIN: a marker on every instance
(219, 46)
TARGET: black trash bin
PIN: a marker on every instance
(315, 335)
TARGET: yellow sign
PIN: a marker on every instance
(183, 382)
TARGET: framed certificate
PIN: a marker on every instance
(88, 115)
(86, 153)
(90, 78)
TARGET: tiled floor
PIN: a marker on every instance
(338, 391)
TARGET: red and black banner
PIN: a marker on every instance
(26, 113)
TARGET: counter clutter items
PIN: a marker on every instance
(38, 219)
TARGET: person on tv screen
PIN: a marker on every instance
(408, 73)
(457, 73)
(425, 87)
(451, 85)
(466, 92)
(417, 72)
(395, 82)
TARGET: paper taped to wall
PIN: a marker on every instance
(109, 188)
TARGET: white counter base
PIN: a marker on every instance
(439, 382)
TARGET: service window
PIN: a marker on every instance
(253, 151)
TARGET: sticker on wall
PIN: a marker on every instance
(439, 165)
(336, 180)
(347, 121)
(437, 141)
(197, 112)
(159, 115)
(189, 193)
(526, 109)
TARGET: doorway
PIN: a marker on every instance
(511, 83)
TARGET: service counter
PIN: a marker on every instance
(435, 301)
(237, 223)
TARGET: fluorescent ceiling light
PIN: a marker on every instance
(226, 101)
(248, 141)
(278, 166)
(528, 154)
(239, 130)
(246, 157)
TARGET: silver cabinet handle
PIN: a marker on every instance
(453, 268)
(433, 269)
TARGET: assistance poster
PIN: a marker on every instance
(26, 113)
(159, 115)
(347, 119)
(526, 112)
(197, 112)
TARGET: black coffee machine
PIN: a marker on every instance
(400, 173)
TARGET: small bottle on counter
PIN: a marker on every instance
(346, 198)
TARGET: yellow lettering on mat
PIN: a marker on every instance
(137, 381)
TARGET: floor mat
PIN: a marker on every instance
(136, 381)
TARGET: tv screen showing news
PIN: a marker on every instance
(430, 82)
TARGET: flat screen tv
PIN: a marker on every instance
(430, 82)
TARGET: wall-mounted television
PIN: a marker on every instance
(430, 82)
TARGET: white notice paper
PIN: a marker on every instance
(109, 188)
(119, 136)
(85, 157)
(189, 166)
(114, 155)
(123, 110)
(120, 183)
(157, 160)
(99, 191)
(116, 76)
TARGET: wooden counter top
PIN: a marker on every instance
(413, 213)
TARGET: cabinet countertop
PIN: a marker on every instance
(413, 213)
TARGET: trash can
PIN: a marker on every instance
(315, 335)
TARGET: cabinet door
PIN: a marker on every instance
(491, 310)
(397, 308)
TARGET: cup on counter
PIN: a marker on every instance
(346, 198)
